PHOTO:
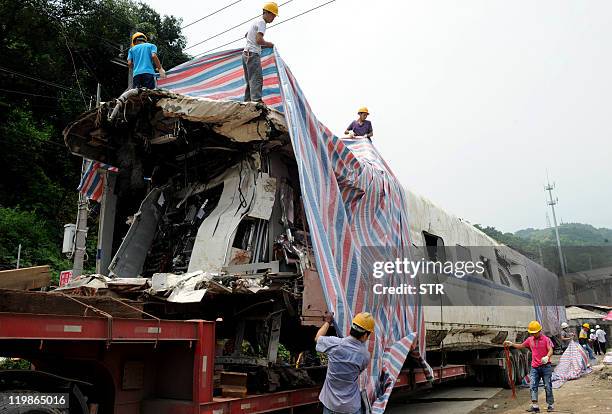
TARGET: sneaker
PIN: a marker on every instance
(550, 408)
(533, 409)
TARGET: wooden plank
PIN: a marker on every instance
(14, 301)
(26, 278)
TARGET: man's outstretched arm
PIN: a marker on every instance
(328, 318)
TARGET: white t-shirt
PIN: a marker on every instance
(258, 26)
(601, 335)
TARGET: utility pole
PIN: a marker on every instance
(552, 202)
(80, 239)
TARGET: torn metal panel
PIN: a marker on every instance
(214, 237)
(132, 253)
(265, 194)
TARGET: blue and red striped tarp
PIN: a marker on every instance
(220, 76)
(352, 200)
(92, 181)
(573, 364)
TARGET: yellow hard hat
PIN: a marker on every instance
(586, 325)
(534, 327)
(365, 321)
(363, 109)
(137, 35)
(271, 7)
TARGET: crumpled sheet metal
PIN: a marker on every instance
(237, 120)
(186, 288)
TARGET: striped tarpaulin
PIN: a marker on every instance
(220, 76)
(352, 201)
(572, 365)
(92, 181)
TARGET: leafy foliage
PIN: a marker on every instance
(584, 246)
(64, 48)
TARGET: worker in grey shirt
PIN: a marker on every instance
(346, 359)
(251, 55)
(566, 335)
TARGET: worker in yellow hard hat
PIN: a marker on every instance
(361, 127)
(583, 340)
(251, 55)
(541, 350)
(347, 358)
(143, 60)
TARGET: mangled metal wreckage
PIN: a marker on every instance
(219, 224)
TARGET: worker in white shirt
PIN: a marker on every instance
(251, 55)
(600, 334)
(594, 342)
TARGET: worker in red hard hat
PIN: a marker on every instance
(347, 358)
(143, 60)
(361, 127)
(251, 55)
(541, 350)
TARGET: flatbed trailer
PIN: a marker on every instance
(129, 366)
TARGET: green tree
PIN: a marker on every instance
(64, 48)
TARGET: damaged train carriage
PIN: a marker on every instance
(209, 203)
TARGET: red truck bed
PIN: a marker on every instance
(148, 365)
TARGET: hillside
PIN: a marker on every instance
(584, 246)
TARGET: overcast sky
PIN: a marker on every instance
(472, 102)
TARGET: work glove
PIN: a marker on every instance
(507, 343)
(352, 134)
(162, 73)
(545, 360)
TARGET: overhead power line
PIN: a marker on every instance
(111, 13)
(230, 29)
(39, 96)
(277, 24)
(76, 74)
(49, 83)
(211, 14)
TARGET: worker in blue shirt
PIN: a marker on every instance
(346, 359)
(141, 58)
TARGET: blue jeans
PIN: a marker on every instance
(328, 411)
(589, 351)
(543, 372)
(251, 64)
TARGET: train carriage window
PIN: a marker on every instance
(503, 277)
(487, 268)
(518, 281)
(434, 247)
(463, 254)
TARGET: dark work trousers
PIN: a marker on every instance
(144, 80)
(251, 63)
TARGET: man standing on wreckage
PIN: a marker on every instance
(251, 55)
(347, 358)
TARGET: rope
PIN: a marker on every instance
(509, 370)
